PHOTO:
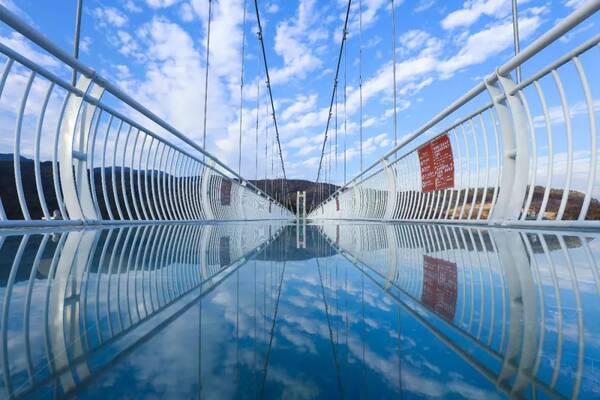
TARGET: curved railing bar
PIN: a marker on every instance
(39, 39)
(17, 149)
(579, 15)
(7, 67)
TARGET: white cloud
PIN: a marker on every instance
(131, 6)
(370, 13)
(557, 116)
(22, 46)
(128, 46)
(307, 150)
(416, 39)
(301, 105)
(566, 38)
(298, 141)
(161, 3)
(424, 5)
(273, 8)
(424, 60)
(226, 37)
(172, 81)
(404, 104)
(85, 43)
(488, 42)
(110, 16)
(473, 9)
(123, 72)
(186, 12)
(575, 3)
(295, 39)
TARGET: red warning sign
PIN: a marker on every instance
(225, 193)
(439, 286)
(437, 164)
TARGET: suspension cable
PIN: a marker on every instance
(266, 145)
(329, 167)
(272, 164)
(206, 74)
(345, 109)
(257, 118)
(515, 23)
(394, 72)
(335, 83)
(77, 39)
(264, 54)
(336, 135)
(242, 90)
(360, 81)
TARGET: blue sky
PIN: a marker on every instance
(155, 50)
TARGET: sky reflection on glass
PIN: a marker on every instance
(291, 311)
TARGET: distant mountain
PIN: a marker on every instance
(314, 193)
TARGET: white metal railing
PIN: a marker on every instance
(93, 294)
(516, 159)
(80, 154)
(495, 297)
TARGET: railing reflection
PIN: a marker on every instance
(510, 303)
(73, 301)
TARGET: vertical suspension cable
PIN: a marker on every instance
(345, 109)
(336, 136)
(360, 82)
(517, 43)
(264, 54)
(242, 90)
(266, 144)
(335, 85)
(77, 37)
(257, 118)
(206, 74)
(394, 72)
(272, 167)
(330, 151)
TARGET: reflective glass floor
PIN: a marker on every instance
(342, 310)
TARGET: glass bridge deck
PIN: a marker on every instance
(260, 310)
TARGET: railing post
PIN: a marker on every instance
(514, 168)
(206, 175)
(392, 192)
(82, 166)
(72, 153)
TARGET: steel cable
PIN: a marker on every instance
(335, 83)
(206, 74)
(242, 90)
(264, 54)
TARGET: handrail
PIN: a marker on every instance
(39, 39)
(579, 15)
(159, 178)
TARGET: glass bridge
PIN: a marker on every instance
(276, 310)
(465, 263)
